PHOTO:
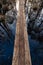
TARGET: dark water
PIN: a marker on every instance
(36, 50)
(7, 45)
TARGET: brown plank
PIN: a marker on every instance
(21, 55)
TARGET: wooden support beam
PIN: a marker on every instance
(21, 54)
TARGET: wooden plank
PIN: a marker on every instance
(21, 55)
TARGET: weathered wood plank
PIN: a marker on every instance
(21, 55)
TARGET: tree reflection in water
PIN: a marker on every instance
(7, 36)
(34, 20)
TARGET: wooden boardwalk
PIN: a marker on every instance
(21, 54)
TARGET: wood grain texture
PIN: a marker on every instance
(21, 54)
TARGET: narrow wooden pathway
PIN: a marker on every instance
(21, 54)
